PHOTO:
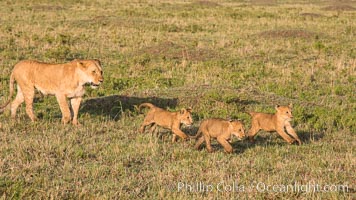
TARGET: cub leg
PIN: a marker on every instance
(16, 102)
(285, 136)
(225, 144)
(174, 138)
(147, 121)
(153, 129)
(291, 131)
(208, 144)
(199, 142)
(29, 94)
(180, 133)
(252, 132)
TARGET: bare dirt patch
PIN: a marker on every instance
(339, 8)
(288, 33)
(171, 50)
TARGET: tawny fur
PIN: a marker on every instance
(166, 119)
(65, 80)
(220, 129)
(279, 122)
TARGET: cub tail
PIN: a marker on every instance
(196, 135)
(146, 105)
(12, 81)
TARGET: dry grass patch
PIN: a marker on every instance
(47, 8)
(173, 51)
(311, 15)
(264, 2)
(206, 3)
(288, 33)
(339, 8)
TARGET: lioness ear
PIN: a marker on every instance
(276, 107)
(182, 111)
(98, 61)
(80, 64)
(291, 105)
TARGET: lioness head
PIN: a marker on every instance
(285, 112)
(186, 116)
(237, 129)
(91, 72)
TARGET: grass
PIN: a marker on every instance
(221, 58)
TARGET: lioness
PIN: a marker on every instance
(62, 80)
(274, 122)
(166, 119)
(220, 129)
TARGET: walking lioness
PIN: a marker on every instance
(65, 80)
(274, 122)
(221, 130)
(166, 119)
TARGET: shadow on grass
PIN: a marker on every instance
(239, 146)
(242, 102)
(310, 136)
(113, 106)
(273, 139)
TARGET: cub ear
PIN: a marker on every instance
(291, 105)
(276, 107)
(189, 109)
(182, 111)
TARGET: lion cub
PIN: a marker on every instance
(220, 129)
(166, 119)
(274, 122)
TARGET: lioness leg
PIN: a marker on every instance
(291, 131)
(63, 105)
(285, 136)
(29, 94)
(199, 142)
(16, 102)
(225, 144)
(75, 103)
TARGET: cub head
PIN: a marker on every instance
(185, 116)
(238, 129)
(285, 112)
(90, 72)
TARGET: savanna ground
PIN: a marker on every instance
(219, 57)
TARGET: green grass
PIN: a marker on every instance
(222, 58)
